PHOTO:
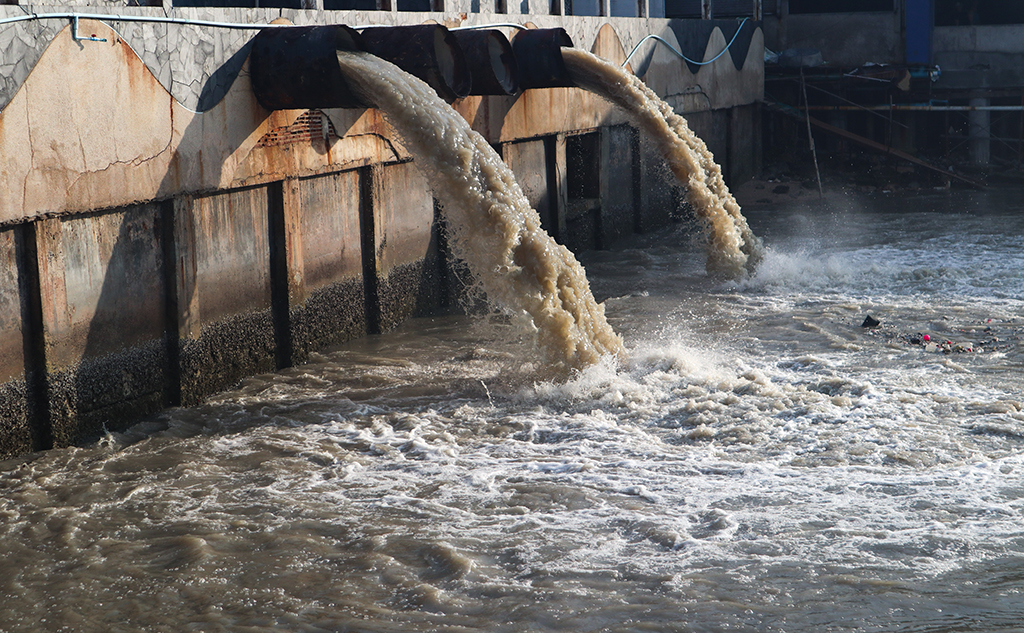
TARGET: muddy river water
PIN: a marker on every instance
(758, 461)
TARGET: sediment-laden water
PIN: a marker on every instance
(733, 249)
(758, 462)
(491, 226)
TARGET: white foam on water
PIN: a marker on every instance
(680, 474)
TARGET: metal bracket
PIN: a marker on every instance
(77, 38)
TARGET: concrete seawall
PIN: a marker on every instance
(152, 254)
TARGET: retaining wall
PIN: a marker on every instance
(152, 254)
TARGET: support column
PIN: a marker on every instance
(285, 261)
(291, 209)
(56, 328)
(616, 184)
(19, 431)
(184, 265)
(979, 132)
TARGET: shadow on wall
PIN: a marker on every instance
(191, 294)
(103, 376)
(221, 80)
(128, 349)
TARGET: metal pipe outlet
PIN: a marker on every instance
(539, 57)
(427, 51)
(492, 65)
(296, 68)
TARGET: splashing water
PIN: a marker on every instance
(734, 250)
(492, 226)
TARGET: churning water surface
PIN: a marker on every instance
(757, 462)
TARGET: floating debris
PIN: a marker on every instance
(870, 322)
(973, 339)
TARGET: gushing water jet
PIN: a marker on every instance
(493, 228)
(734, 250)
(408, 73)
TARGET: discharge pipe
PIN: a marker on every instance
(296, 67)
(538, 54)
(492, 64)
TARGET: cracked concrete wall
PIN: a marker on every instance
(92, 128)
(96, 127)
(183, 57)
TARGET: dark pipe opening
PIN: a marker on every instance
(492, 64)
(296, 68)
(427, 51)
(539, 58)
